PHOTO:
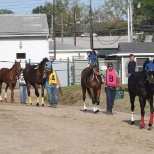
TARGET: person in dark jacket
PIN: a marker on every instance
(131, 66)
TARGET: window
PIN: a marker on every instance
(20, 55)
(140, 62)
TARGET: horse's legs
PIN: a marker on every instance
(94, 102)
(0, 91)
(28, 92)
(37, 94)
(12, 92)
(142, 105)
(84, 97)
(42, 91)
(132, 99)
(151, 113)
(5, 99)
(97, 99)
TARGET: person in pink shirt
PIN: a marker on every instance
(112, 80)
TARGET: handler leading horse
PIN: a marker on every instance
(141, 84)
(91, 83)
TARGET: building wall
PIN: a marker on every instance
(35, 48)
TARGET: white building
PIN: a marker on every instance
(23, 37)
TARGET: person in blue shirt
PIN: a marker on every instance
(52, 81)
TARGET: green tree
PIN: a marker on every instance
(5, 11)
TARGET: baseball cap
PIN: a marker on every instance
(110, 64)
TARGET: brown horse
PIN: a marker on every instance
(9, 76)
(33, 75)
(92, 84)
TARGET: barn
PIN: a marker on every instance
(23, 37)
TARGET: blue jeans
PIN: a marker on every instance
(110, 95)
(23, 94)
(52, 95)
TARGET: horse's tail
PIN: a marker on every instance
(88, 90)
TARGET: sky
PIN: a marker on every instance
(26, 6)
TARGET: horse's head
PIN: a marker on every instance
(149, 69)
(17, 67)
(42, 66)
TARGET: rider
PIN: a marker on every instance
(92, 57)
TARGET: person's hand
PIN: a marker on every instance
(119, 86)
(126, 74)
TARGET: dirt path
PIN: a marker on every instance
(69, 130)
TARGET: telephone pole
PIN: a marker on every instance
(75, 23)
(91, 26)
(130, 20)
(54, 35)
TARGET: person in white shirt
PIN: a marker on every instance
(23, 88)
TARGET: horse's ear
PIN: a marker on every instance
(15, 61)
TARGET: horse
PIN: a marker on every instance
(92, 84)
(10, 77)
(141, 84)
(33, 75)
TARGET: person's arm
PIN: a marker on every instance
(126, 68)
(136, 68)
(58, 81)
(118, 80)
(96, 72)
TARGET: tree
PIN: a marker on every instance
(5, 11)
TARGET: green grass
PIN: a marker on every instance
(72, 95)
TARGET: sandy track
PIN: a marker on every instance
(69, 130)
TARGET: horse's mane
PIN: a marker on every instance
(44, 60)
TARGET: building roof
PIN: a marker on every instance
(107, 52)
(99, 42)
(136, 48)
(66, 48)
(29, 24)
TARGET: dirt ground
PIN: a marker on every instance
(28, 129)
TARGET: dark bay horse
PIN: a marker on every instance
(33, 75)
(9, 76)
(141, 84)
(92, 84)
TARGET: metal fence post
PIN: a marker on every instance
(68, 71)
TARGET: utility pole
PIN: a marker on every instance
(91, 26)
(62, 26)
(75, 23)
(54, 35)
(130, 20)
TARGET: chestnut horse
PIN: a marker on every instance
(9, 76)
(92, 84)
(141, 84)
(33, 75)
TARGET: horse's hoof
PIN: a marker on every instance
(132, 123)
(149, 127)
(30, 103)
(42, 104)
(85, 110)
(142, 127)
(1, 101)
(37, 104)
